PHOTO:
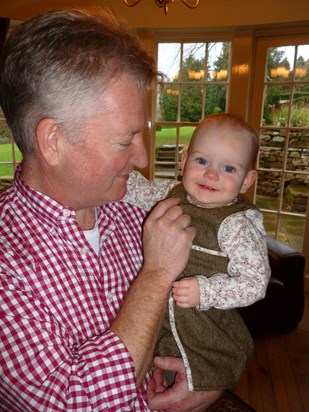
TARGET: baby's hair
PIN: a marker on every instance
(235, 123)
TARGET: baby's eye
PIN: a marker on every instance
(201, 161)
(229, 169)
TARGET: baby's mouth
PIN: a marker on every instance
(209, 188)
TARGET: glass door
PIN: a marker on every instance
(280, 111)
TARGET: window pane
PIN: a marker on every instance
(5, 133)
(6, 170)
(271, 155)
(165, 152)
(300, 109)
(9, 154)
(218, 61)
(5, 182)
(298, 151)
(268, 189)
(193, 63)
(291, 230)
(165, 136)
(168, 103)
(185, 133)
(288, 229)
(296, 189)
(301, 70)
(216, 96)
(169, 148)
(270, 221)
(280, 63)
(191, 103)
(276, 105)
(169, 59)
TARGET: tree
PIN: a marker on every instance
(192, 90)
(273, 92)
(216, 93)
(190, 94)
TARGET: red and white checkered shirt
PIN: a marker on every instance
(58, 299)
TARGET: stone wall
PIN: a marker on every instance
(296, 183)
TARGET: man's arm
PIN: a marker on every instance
(46, 365)
(166, 240)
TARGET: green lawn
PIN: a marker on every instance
(6, 156)
(168, 135)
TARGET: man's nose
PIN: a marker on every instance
(140, 156)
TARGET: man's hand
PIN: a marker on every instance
(186, 292)
(167, 239)
(176, 398)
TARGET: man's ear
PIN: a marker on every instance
(249, 180)
(48, 137)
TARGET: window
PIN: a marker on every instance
(283, 164)
(9, 153)
(196, 84)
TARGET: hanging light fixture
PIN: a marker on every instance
(165, 3)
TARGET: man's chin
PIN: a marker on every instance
(121, 193)
(119, 189)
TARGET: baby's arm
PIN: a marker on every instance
(242, 237)
(186, 292)
(146, 193)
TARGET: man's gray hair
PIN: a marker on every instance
(56, 65)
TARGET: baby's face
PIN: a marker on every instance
(217, 167)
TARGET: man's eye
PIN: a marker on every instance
(201, 161)
(126, 144)
(229, 169)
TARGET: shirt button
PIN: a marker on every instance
(84, 251)
(66, 213)
(52, 231)
(110, 296)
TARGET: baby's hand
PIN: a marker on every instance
(186, 292)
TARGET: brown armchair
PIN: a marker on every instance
(283, 306)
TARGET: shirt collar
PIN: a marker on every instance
(49, 209)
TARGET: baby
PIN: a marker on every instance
(228, 265)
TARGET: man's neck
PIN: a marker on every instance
(86, 218)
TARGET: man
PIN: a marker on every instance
(78, 319)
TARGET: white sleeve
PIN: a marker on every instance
(242, 238)
(145, 193)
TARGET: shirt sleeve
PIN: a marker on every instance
(242, 238)
(146, 193)
(42, 368)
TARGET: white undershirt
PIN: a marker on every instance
(93, 238)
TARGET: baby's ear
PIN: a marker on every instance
(248, 182)
(184, 156)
